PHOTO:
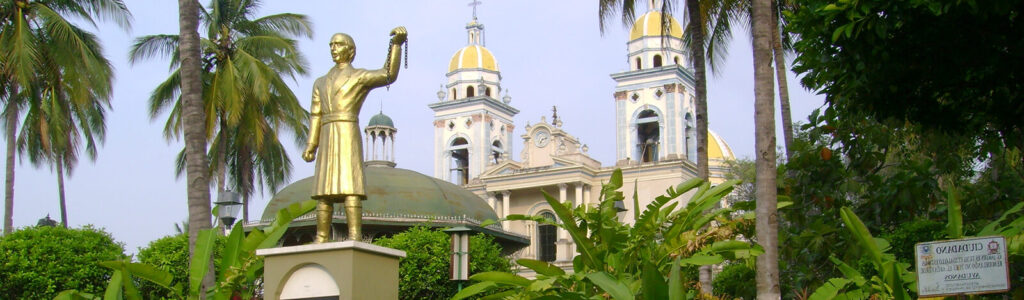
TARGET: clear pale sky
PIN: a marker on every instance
(549, 53)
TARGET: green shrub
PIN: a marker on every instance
(424, 271)
(902, 239)
(170, 253)
(736, 281)
(39, 262)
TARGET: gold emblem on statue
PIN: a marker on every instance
(334, 139)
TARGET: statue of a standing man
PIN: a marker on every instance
(334, 131)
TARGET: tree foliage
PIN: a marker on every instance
(39, 262)
(423, 272)
(628, 261)
(170, 254)
(733, 282)
(953, 66)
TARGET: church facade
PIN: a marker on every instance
(655, 135)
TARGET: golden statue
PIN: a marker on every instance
(334, 131)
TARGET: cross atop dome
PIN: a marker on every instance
(474, 29)
(474, 4)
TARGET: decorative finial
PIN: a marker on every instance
(441, 93)
(474, 4)
(554, 113)
(507, 99)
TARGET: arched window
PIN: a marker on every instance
(460, 161)
(487, 91)
(647, 136)
(638, 63)
(469, 91)
(657, 60)
(546, 237)
(453, 93)
(496, 151)
(676, 59)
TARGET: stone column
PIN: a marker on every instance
(586, 195)
(506, 197)
(576, 203)
(491, 201)
(564, 245)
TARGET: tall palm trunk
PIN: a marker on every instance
(764, 119)
(780, 75)
(696, 32)
(196, 167)
(247, 182)
(60, 190)
(12, 124)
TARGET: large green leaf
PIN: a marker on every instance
(114, 286)
(830, 289)
(501, 278)
(654, 286)
(702, 260)
(861, 234)
(473, 290)
(541, 267)
(76, 295)
(676, 291)
(994, 227)
(955, 223)
(150, 273)
(285, 217)
(612, 286)
(200, 261)
(230, 255)
(583, 244)
(848, 271)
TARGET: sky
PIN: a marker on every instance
(550, 53)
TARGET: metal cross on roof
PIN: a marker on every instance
(474, 4)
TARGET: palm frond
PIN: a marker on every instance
(146, 47)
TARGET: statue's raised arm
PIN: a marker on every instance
(389, 73)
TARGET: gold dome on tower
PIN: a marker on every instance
(649, 24)
(473, 57)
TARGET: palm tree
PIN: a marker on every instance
(247, 99)
(48, 63)
(696, 40)
(767, 224)
(193, 116)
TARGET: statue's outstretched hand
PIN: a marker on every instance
(399, 35)
(309, 154)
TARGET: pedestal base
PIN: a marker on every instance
(339, 270)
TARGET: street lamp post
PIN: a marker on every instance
(228, 205)
(460, 253)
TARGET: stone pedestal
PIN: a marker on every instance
(339, 270)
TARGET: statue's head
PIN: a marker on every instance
(343, 48)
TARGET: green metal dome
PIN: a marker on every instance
(399, 193)
(381, 119)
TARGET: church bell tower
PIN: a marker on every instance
(472, 127)
(654, 101)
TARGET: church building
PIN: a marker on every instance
(655, 135)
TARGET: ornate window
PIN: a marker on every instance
(469, 91)
(459, 161)
(647, 136)
(496, 151)
(546, 237)
(657, 60)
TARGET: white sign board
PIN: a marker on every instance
(966, 266)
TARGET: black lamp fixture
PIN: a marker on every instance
(228, 206)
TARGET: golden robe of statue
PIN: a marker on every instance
(334, 139)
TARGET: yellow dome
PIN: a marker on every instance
(717, 148)
(649, 24)
(472, 57)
